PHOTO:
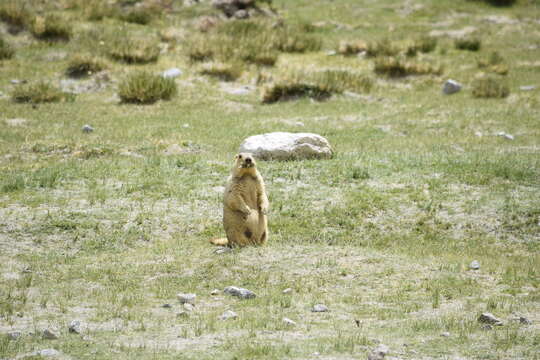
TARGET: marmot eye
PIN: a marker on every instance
(239, 156)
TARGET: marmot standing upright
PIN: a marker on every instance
(245, 205)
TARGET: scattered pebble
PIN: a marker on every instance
(474, 265)
(379, 352)
(166, 306)
(451, 87)
(229, 314)
(319, 308)
(186, 298)
(75, 327)
(287, 291)
(47, 353)
(172, 73)
(239, 292)
(489, 318)
(505, 135)
(445, 334)
(189, 307)
(14, 335)
(49, 334)
(215, 292)
(289, 322)
(523, 320)
(87, 128)
(223, 250)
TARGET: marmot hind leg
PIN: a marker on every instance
(220, 242)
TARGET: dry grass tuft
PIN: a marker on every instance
(489, 87)
(133, 50)
(222, 71)
(494, 63)
(50, 27)
(6, 50)
(84, 65)
(395, 67)
(15, 14)
(468, 43)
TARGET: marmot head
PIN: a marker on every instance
(244, 163)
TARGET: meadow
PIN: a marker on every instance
(107, 226)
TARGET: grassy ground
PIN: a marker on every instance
(106, 227)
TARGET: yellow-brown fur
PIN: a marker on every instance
(245, 205)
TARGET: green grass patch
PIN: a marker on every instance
(225, 72)
(468, 43)
(39, 92)
(132, 50)
(15, 13)
(396, 67)
(490, 87)
(146, 88)
(50, 27)
(6, 50)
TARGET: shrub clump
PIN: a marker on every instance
(494, 63)
(348, 48)
(84, 65)
(425, 44)
(225, 72)
(6, 50)
(50, 28)
(489, 87)
(41, 92)
(283, 91)
(133, 50)
(140, 16)
(395, 67)
(146, 88)
(470, 44)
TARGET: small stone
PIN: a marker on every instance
(489, 318)
(523, 320)
(186, 298)
(474, 265)
(49, 334)
(527, 87)
(189, 307)
(319, 308)
(17, 81)
(166, 306)
(379, 352)
(215, 292)
(505, 135)
(87, 128)
(47, 352)
(241, 14)
(229, 314)
(223, 250)
(75, 327)
(331, 53)
(451, 87)
(287, 291)
(289, 322)
(14, 335)
(171, 73)
(239, 292)
(445, 334)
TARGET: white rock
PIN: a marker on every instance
(474, 265)
(239, 292)
(186, 298)
(47, 352)
(215, 292)
(49, 334)
(229, 314)
(75, 327)
(490, 319)
(289, 322)
(319, 308)
(189, 307)
(451, 87)
(287, 146)
(379, 352)
(172, 73)
(505, 135)
(287, 291)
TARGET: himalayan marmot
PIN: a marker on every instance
(245, 205)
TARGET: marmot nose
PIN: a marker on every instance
(248, 160)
